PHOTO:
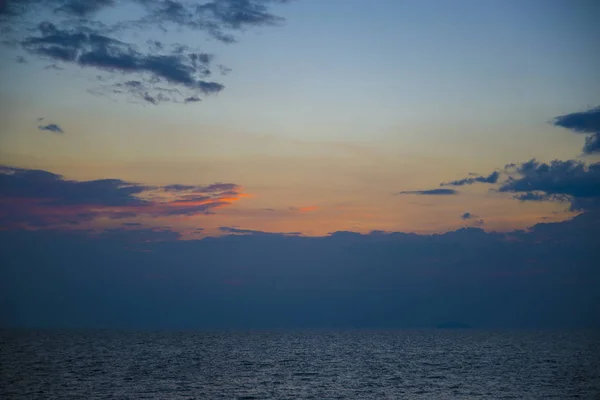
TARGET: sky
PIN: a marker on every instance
(307, 153)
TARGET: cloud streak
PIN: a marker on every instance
(35, 198)
(238, 231)
(491, 178)
(430, 192)
(54, 128)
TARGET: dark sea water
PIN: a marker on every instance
(436, 364)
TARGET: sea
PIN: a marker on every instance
(319, 364)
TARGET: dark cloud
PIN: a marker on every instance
(545, 277)
(473, 219)
(586, 122)
(193, 99)
(567, 181)
(178, 188)
(215, 187)
(43, 199)
(51, 128)
(533, 196)
(581, 122)
(84, 8)
(592, 144)
(238, 14)
(221, 187)
(218, 18)
(238, 231)
(69, 31)
(54, 189)
(183, 70)
(431, 192)
(491, 178)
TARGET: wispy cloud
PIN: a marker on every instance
(54, 128)
(431, 192)
(491, 178)
(238, 231)
(474, 219)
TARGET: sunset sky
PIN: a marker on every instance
(302, 118)
(329, 109)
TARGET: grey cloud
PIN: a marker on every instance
(214, 17)
(167, 73)
(491, 178)
(431, 192)
(586, 122)
(84, 8)
(54, 189)
(592, 144)
(43, 199)
(51, 128)
(533, 196)
(218, 187)
(184, 70)
(569, 181)
(193, 99)
(581, 122)
(229, 188)
(239, 231)
(473, 219)
(178, 188)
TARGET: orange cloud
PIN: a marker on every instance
(41, 199)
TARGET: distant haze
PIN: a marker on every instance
(145, 279)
